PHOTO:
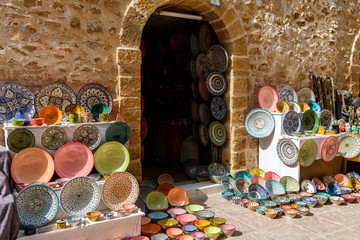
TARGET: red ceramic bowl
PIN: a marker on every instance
(348, 198)
(186, 218)
(165, 188)
(37, 121)
(174, 233)
(145, 220)
(150, 229)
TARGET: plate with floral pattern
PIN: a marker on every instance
(89, 135)
(287, 151)
(292, 123)
(307, 153)
(53, 138)
(325, 118)
(259, 123)
(330, 148)
(305, 94)
(94, 93)
(20, 139)
(287, 94)
(349, 145)
(217, 58)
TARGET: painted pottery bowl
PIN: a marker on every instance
(228, 229)
(321, 199)
(261, 209)
(93, 216)
(336, 200)
(205, 214)
(291, 213)
(271, 213)
(303, 210)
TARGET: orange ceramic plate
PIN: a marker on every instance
(32, 165)
(51, 114)
(178, 197)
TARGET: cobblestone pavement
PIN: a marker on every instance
(323, 222)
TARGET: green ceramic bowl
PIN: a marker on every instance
(193, 208)
(212, 232)
(17, 122)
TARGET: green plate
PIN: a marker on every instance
(217, 133)
(307, 153)
(290, 184)
(117, 131)
(111, 157)
(20, 139)
(310, 121)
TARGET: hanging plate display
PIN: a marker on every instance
(267, 98)
(73, 160)
(56, 94)
(319, 184)
(204, 38)
(193, 70)
(202, 69)
(53, 138)
(218, 108)
(294, 106)
(119, 189)
(51, 115)
(194, 45)
(217, 58)
(118, 131)
(310, 121)
(308, 186)
(79, 196)
(259, 123)
(314, 106)
(216, 83)
(292, 123)
(89, 135)
(111, 157)
(37, 205)
(204, 114)
(20, 139)
(304, 107)
(349, 145)
(307, 153)
(217, 133)
(287, 151)
(14, 96)
(330, 148)
(203, 91)
(93, 93)
(282, 107)
(287, 94)
(290, 184)
(203, 134)
(195, 110)
(325, 118)
(305, 94)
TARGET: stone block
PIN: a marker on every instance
(229, 16)
(238, 86)
(75, 22)
(128, 56)
(237, 46)
(135, 167)
(95, 26)
(133, 24)
(129, 70)
(237, 62)
(129, 103)
(223, 36)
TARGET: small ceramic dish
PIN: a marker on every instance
(129, 208)
(198, 235)
(93, 216)
(280, 210)
(293, 197)
(228, 229)
(174, 233)
(122, 213)
(168, 223)
(37, 121)
(286, 207)
(291, 213)
(268, 203)
(310, 201)
(356, 195)
(108, 215)
(227, 195)
(186, 218)
(17, 122)
(252, 205)
(205, 214)
(236, 199)
(271, 213)
(321, 199)
(261, 209)
(336, 200)
(217, 221)
(202, 224)
(74, 220)
(303, 210)
(212, 232)
(294, 206)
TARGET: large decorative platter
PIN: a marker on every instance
(216, 83)
(79, 196)
(259, 123)
(20, 139)
(93, 93)
(292, 123)
(287, 94)
(89, 135)
(202, 69)
(330, 148)
(194, 45)
(118, 131)
(307, 153)
(53, 138)
(325, 118)
(217, 58)
(203, 135)
(217, 133)
(267, 98)
(310, 121)
(308, 186)
(204, 114)
(119, 189)
(203, 91)
(287, 151)
(218, 108)
(55, 94)
(37, 205)
(290, 184)
(14, 96)
(305, 94)
(314, 106)
(204, 38)
(73, 160)
(195, 110)
(111, 157)
(32, 165)
(294, 106)
(349, 145)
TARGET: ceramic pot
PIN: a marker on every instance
(86, 117)
(104, 117)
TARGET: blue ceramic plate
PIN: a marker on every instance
(333, 188)
(245, 175)
(259, 123)
(314, 106)
(256, 191)
(308, 186)
(287, 94)
(274, 187)
(292, 123)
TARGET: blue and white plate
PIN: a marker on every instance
(287, 94)
(259, 123)
(292, 123)
(287, 151)
(308, 186)
(325, 118)
(274, 187)
(14, 96)
(314, 106)
(94, 93)
(257, 191)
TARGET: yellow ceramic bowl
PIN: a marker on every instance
(201, 224)
(217, 221)
(332, 132)
(168, 223)
(93, 216)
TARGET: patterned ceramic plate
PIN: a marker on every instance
(305, 94)
(307, 153)
(242, 185)
(217, 58)
(203, 91)
(217, 169)
(259, 123)
(216, 83)
(53, 138)
(314, 106)
(203, 135)
(352, 174)
(287, 151)
(267, 98)
(304, 107)
(217, 133)
(271, 175)
(274, 187)
(227, 183)
(292, 123)
(37, 205)
(257, 172)
(290, 184)
(195, 110)
(194, 45)
(79, 196)
(93, 93)
(325, 118)
(257, 191)
(204, 38)
(308, 186)
(294, 106)
(259, 180)
(310, 121)
(202, 70)
(282, 107)
(14, 96)
(20, 139)
(287, 94)
(341, 179)
(319, 184)
(55, 94)
(328, 179)
(193, 70)
(118, 131)
(119, 189)
(330, 148)
(349, 145)
(204, 114)
(89, 135)
(218, 108)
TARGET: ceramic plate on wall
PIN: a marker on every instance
(307, 153)
(349, 145)
(89, 135)
(217, 133)
(119, 132)
(216, 83)
(204, 114)
(292, 123)
(305, 94)
(53, 138)
(325, 118)
(203, 134)
(330, 148)
(202, 69)
(287, 151)
(310, 121)
(259, 123)
(218, 108)
(217, 58)
(294, 106)
(267, 98)
(20, 139)
(93, 93)
(193, 70)
(287, 94)
(203, 91)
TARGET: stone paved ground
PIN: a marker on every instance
(326, 222)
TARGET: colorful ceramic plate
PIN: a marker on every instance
(217, 169)
(259, 180)
(341, 179)
(56, 94)
(93, 93)
(14, 96)
(218, 108)
(310, 121)
(51, 115)
(290, 184)
(204, 38)
(271, 176)
(294, 106)
(314, 106)
(308, 186)
(267, 98)
(349, 145)
(305, 94)
(292, 123)
(216, 83)
(287, 151)
(330, 148)
(203, 91)
(304, 107)
(37, 205)
(325, 118)
(202, 70)
(217, 58)
(259, 123)
(203, 134)
(274, 187)
(257, 172)
(320, 186)
(328, 179)
(352, 174)
(117, 131)
(204, 114)
(217, 133)
(32, 165)
(245, 175)
(242, 185)
(193, 70)
(20, 139)
(111, 157)
(79, 196)
(282, 107)
(53, 138)
(73, 160)
(287, 94)
(194, 45)
(307, 153)
(195, 110)
(354, 183)
(227, 183)
(256, 191)
(89, 135)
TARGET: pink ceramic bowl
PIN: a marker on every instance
(174, 233)
(348, 198)
(186, 218)
(228, 229)
(198, 235)
(175, 211)
(129, 208)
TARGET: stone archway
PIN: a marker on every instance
(228, 27)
